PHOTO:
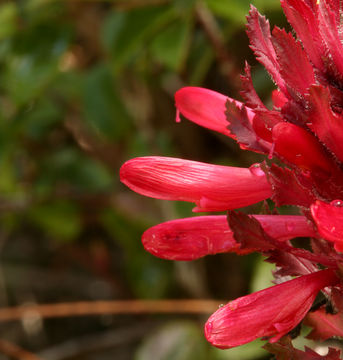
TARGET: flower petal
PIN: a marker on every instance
(299, 147)
(192, 238)
(205, 107)
(211, 187)
(329, 221)
(271, 312)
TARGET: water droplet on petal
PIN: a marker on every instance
(177, 118)
(220, 306)
(232, 305)
(256, 170)
(209, 327)
(332, 230)
(337, 203)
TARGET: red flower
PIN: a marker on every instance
(304, 131)
(205, 107)
(211, 187)
(270, 312)
(192, 238)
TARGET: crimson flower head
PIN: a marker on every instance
(303, 130)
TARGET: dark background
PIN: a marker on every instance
(85, 86)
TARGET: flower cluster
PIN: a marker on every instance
(303, 130)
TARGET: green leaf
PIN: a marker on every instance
(32, 61)
(183, 6)
(8, 18)
(102, 104)
(234, 11)
(9, 179)
(266, 4)
(250, 351)
(171, 45)
(199, 60)
(60, 220)
(72, 168)
(124, 34)
(262, 277)
(39, 118)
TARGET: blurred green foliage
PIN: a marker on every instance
(84, 86)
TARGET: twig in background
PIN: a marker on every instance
(213, 32)
(110, 307)
(15, 352)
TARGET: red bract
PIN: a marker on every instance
(324, 121)
(304, 131)
(270, 312)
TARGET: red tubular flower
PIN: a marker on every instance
(301, 148)
(324, 121)
(211, 187)
(303, 130)
(205, 107)
(329, 221)
(271, 312)
(192, 238)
